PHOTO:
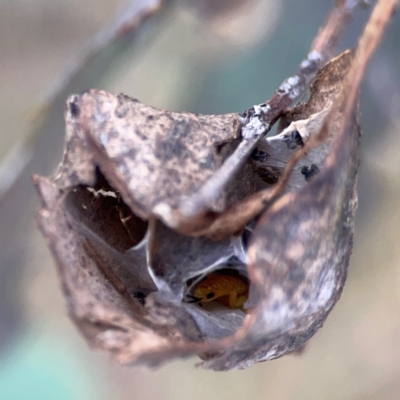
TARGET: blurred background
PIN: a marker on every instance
(207, 56)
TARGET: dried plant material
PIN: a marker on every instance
(270, 158)
(258, 120)
(141, 279)
(155, 159)
(112, 165)
(38, 150)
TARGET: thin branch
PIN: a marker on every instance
(321, 51)
(366, 47)
(372, 35)
(40, 150)
(128, 19)
(253, 205)
(367, 44)
(257, 121)
(328, 37)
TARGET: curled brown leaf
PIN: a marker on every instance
(135, 225)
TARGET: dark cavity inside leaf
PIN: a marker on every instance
(101, 209)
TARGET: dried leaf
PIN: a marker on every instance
(154, 158)
(117, 223)
(122, 274)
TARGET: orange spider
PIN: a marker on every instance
(229, 290)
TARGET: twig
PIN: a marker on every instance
(130, 18)
(257, 121)
(321, 51)
(369, 40)
(328, 37)
(40, 150)
(238, 215)
(367, 44)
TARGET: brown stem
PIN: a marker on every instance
(367, 44)
(225, 224)
(257, 121)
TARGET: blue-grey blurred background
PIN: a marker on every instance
(208, 56)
